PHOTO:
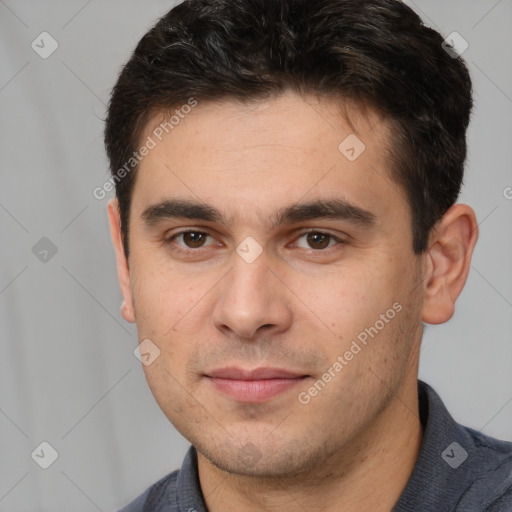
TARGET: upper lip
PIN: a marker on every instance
(254, 374)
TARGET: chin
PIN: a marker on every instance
(260, 459)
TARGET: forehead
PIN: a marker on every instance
(258, 157)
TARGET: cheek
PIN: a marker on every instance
(353, 298)
(173, 393)
(167, 313)
(162, 300)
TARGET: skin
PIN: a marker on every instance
(297, 306)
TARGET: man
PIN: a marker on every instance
(285, 221)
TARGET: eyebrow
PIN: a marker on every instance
(336, 209)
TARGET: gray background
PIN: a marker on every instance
(68, 375)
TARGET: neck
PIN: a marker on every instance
(370, 473)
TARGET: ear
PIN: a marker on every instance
(123, 271)
(451, 246)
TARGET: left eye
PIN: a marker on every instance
(192, 239)
(318, 240)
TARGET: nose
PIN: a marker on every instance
(252, 299)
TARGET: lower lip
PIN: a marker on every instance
(254, 390)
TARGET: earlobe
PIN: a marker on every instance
(451, 248)
(123, 272)
(128, 313)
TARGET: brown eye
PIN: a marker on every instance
(318, 240)
(194, 239)
(191, 240)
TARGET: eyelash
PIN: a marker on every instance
(169, 240)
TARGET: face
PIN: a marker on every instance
(285, 304)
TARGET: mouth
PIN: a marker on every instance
(256, 385)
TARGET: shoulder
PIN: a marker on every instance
(458, 468)
(159, 495)
(492, 469)
(490, 447)
(502, 503)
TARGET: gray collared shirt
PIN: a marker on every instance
(458, 470)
